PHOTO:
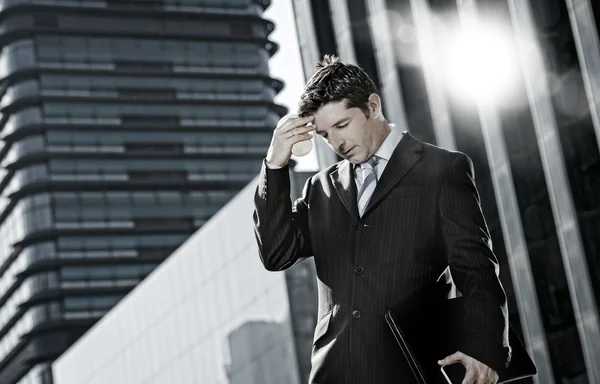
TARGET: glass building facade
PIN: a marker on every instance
(536, 157)
(209, 314)
(124, 126)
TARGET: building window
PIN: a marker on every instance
(90, 303)
(143, 66)
(183, 223)
(147, 176)
(149, 121)
(154, 148)
(45, 20)
(135, 4)
(241, 29)
(147, 94)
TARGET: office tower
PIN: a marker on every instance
(125, 126)
(536, 158)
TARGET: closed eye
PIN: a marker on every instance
(324, 134)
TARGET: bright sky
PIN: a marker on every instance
(286, 65)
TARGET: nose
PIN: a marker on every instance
(337, 143)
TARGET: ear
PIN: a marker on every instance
(374, 105)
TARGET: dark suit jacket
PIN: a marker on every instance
(423, 216)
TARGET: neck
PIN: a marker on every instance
(384, 130)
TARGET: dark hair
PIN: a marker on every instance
(336, 81)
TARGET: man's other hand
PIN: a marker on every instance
(477, 372)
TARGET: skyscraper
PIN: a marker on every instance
(125, 125)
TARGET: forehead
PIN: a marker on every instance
(332, 113)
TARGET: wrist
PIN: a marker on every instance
(274, 164)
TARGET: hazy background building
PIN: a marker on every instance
(125, 126)
(254, 339)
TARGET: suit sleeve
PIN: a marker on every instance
(474, 267)
(281, 229)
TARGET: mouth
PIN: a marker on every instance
(348, 151)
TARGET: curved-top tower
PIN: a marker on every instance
(124, 126)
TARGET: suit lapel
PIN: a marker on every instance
(345, 187)
(407, 153)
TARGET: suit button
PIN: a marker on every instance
(359, 270)
(356, 313)
(356, 227)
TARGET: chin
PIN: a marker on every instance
(359, 159)
(353, 157)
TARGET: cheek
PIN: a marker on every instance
(353, 135)
(360, 138)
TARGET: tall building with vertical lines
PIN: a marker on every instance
(124, 126)
(537, 164)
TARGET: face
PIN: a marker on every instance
(348, 131)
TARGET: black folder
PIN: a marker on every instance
(428, 335)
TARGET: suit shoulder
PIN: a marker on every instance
(442, 154)
(329, 170)
(322, 176)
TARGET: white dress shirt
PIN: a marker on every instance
(384, 153)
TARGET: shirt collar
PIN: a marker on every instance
(390, 143)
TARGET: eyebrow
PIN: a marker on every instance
(340, 121)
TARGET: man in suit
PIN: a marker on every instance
(382, 225)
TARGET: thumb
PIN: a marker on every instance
(453, 358)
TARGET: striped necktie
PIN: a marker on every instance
(369, 183)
